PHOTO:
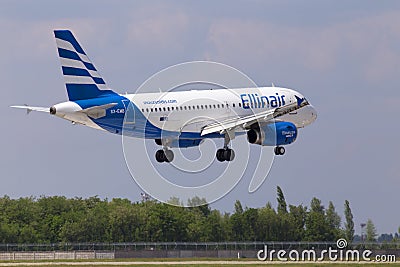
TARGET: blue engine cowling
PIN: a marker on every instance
(273, 134)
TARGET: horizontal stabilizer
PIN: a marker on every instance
(97, 112)
(29, 109)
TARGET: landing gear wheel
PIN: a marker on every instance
(169, 155)
(226, 154)
(279, 150)
(220, 155)
(164, 155)
(160, 156)
(229, 154)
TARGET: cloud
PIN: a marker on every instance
(38, 36)
(162, 26)
(262, 41)
(365, 42)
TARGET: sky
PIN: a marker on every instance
(343, 56)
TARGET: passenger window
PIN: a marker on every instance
(168, 108)
(233, 104)
(240, 104)
(151, 110)
(147, 110)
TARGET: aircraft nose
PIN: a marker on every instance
(314, 114)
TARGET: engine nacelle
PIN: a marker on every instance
(273, 134)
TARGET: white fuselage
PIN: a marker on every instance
(189, 111)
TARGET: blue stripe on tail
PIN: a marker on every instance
(64, 53)
(83, 82)
(67, 35)
(75, 71)
(86, 91)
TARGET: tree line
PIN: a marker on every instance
(59, 219)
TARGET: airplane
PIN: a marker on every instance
(269, 116)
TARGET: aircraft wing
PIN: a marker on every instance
(97, 112)
(30, 108)
(245, 122)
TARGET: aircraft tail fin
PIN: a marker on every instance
(82, 79)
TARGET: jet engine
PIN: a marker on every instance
(273, 134)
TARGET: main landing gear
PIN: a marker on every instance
(226, 153)
(279, 150)
(223, 154)
(164, 155)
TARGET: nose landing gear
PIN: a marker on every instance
(279, 150)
